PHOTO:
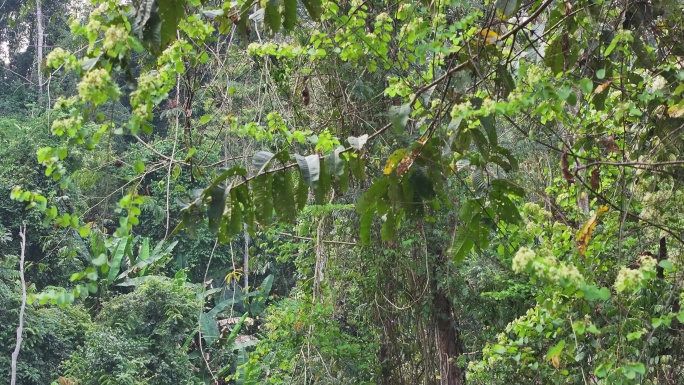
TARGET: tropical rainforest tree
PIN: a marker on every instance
(463, 192)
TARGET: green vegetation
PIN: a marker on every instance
(341, 192)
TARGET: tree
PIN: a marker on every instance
(475, 98)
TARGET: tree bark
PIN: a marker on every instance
(449, 344)
(39, 47)
(20, 327)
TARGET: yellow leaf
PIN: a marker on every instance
(555, 360)
(602, 87)
(584, 235)
(393, 161)
(490, 36)
(675, 111)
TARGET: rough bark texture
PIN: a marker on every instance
(449, 345)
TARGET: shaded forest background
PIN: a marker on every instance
(341, 192)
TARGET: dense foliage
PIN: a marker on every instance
(342, 191)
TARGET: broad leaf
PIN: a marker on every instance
(314, 8)
(115, 263)
(209, 329)
(272, 17)
(284, 197)
(170, 12)
(399, 116)
(261, 160)
(357, 143)
(310, 167)
(289, 14)
(263, 198)
(507, 8)
(217, 205)
(335, 163)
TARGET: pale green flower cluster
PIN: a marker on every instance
(383, 17)
(148, 84)
(534, 75)
(96, 85)
(69, 126)
(648, 263)
(57, 57)
(522, 259)
(627, 278)
(461, 109)
(565, 272)
(488, 107)
(545, 266)
(633, 278)
(113, 36)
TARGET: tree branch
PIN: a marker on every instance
(20, 327)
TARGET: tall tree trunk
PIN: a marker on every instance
(39, 47)
(449, 344)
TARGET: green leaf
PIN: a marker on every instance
(553, 57)
(222, 305)
(139, 166)
(144, 249)
(507, 8)
(389, 227)
(487, 123)
(600, 74)
(310, 167)
(284, 197)
(141, 264)
(244, 199)
(399, 116)
(586, 85)
(209, 329)
(84, 231)
(289, 14)
(321, 188)
(314, 8)
(593, 293)
(272, 17)
(504, 208)
(171, 12)
(335, 163)
(480, 142)
(666, 265)
(217, 206)
(205, 119)
(261, 160)
(369, 199)
(461, 244)
(115, 263)
(263, 198)
(244, 18)
(365, 226)
(302, 193)
(556, 350)
(508, 187)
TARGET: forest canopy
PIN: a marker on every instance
(332, 191)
